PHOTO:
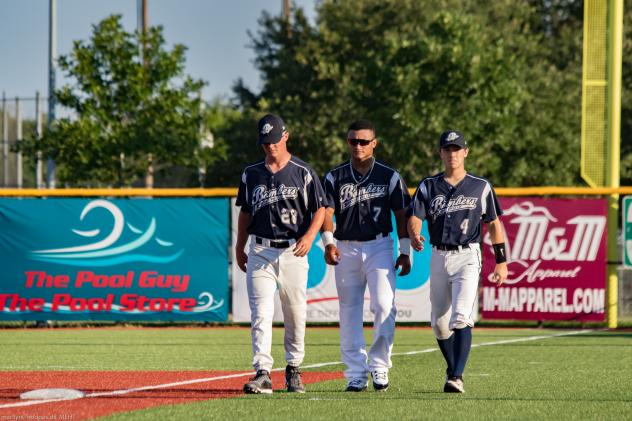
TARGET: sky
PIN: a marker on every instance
(215, 32)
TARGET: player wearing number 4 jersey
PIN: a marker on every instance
(282, 208)
(362, 194)
(454, 203)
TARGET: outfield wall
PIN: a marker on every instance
(169, 258)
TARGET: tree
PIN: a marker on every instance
(417, 68)
(123, 105)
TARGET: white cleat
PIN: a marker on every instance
(380, 380)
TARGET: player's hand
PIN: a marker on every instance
(403, 262)
(303, 245)
(417, 242)
(332, 255)
(241, 257)
(500, 273)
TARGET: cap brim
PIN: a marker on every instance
(268, 140)
(447, 145)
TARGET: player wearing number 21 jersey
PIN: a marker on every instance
(282, 209)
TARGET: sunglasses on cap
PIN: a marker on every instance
(361, 142)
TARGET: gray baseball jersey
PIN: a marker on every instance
(454, 213)
(363, 204)
(281, 204)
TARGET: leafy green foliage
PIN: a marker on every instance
(123, 106)
(507, 74)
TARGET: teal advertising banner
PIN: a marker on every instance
(124, 259)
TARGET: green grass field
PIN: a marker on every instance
(583, 376)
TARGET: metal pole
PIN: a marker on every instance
(614, 151)
(5, 142)
(38, 130)
(149, 176)
(52, 68)
(18, 139)
(286, 16)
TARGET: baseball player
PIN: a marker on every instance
(454, 202)
(282, 209)
(362, 193)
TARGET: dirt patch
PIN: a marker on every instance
(109, 392)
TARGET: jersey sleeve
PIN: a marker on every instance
(491, 206)
(398, 193)
(242, 194)
(315, 194)
(418, 205)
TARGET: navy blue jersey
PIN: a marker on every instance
(454, 213)
(363, 204)
(281, 204)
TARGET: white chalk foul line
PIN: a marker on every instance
(232, 376)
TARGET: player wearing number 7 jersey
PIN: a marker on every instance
(454, 203)
(362, 194)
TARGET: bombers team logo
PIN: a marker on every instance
(350, 194)
(261, 196)
(438, 205)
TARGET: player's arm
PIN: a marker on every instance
(403, 260)
(497, 236)
(414, 233)
(304, 244)
(242, 237)
(332, 256)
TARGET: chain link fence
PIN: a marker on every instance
(21, 118)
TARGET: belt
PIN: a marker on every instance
(450, 247)
(377, 237)
(277, 244)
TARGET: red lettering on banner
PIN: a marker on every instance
(133, 302)
(104, 281)
(68, 302)
(177, 283)
(40, 279)
(15, 303)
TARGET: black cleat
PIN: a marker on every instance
(293, 379)
(260, 383)
(356, 385)
(454, 385)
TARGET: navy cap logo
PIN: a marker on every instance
(271, 129)
(452, 138)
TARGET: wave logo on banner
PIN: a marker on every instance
(106, 252)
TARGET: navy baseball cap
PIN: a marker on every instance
(452, 138)
(271, 129)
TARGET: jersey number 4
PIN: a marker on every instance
(464, 225)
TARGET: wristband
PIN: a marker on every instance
(327, 237)
(404, 246)
(499, 252)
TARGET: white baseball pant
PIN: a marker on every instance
(267, 269)
(365, 263)
(454, 279)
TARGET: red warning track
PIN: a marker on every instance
(12, 384)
